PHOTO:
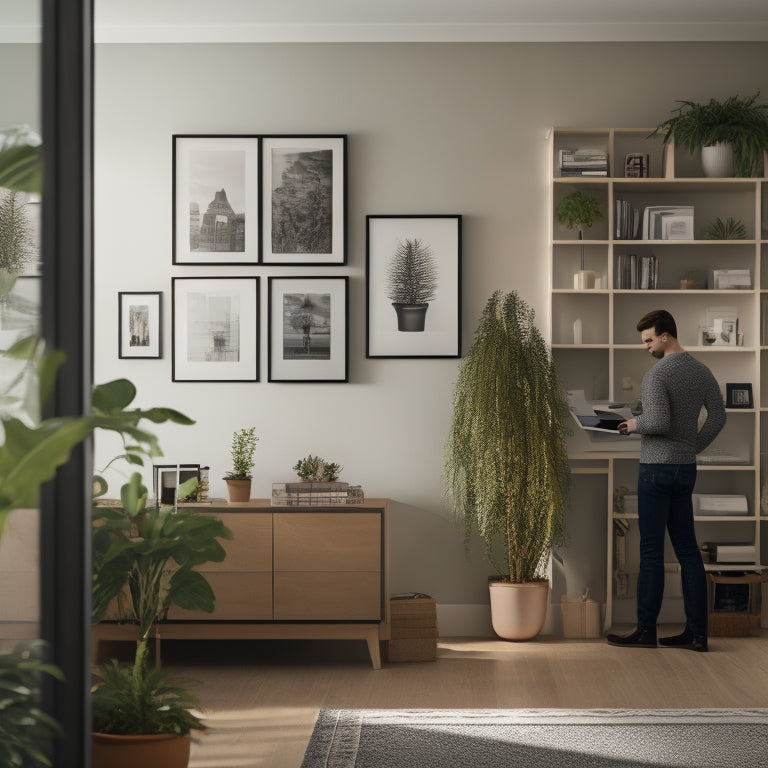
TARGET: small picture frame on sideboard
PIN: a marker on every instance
(738, 396)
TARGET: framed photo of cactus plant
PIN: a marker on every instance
(308, 319)
(304, 200)
(413, 286)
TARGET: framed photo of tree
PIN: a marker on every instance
(413, 286)
(216, 199)
(308, 318)
(304, 200)
(215, 328)
(140, 324)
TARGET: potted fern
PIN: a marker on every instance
(506, 468)
(732, 134)
(239, 477)
(411, 283)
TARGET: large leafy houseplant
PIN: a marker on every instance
(145, 557)
(741, 122)
(506, 468)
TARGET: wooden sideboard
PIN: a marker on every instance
(290, 573)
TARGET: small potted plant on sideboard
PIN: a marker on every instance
(239, 477)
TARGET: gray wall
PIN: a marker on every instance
(433, 128)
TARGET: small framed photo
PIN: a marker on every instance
(215, 329)
(304, 200)
(140, 324)
(413, 283)
(167, 478)
(216, 199)
(308, 318)
(738, 396)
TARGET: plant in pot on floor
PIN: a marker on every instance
(580, 210)
(732, 134)
(506, 470)
(411, 283)
(239, 477)
(145, 558)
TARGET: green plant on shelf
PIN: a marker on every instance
(730, 229)
(314, 469)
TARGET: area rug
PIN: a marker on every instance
(539, 738)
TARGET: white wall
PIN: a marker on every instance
(433, 128)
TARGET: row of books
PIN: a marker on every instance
(586, 161)
(635, 272)
(316, 494)
(628, 220)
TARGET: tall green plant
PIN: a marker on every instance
(742, 122)
(243, 447)
(506, 461)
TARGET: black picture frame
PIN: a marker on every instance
(297, 169)
(316, 350)
(431, 326)
(222, 314)
(166, 478)
(140, 324)
(739, 396)
(216, 199)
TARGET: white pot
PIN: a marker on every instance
(584, 278)
(717, 160)
(518, 611)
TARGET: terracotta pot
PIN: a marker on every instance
(518, 611)
(157, 751)
(239, 490)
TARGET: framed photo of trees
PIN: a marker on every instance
(308, 318)
(304, 200)
(413, 286)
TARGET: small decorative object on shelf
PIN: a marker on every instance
(738, 396)
(239, 477)
(319, 486)
(586, 161)
(636, 165)
(730, 229)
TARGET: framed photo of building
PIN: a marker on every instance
(215, 329)
(140, 324)
(216, 202)
(413, 285)
(308, 318)
(304, 200)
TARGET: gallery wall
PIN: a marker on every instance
(432, 129)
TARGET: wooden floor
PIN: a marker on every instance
(261, 698)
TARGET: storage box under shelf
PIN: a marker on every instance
(735, 604)
(413, 629)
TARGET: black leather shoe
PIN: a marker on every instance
(640, 638)
(685, 640)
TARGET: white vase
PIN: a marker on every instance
(717, 160)
(518, 611)
(584, 279)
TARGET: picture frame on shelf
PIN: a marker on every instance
(304, 193)
(215, 334)
(308, 321)
(413, 286)
(739, 396)
(216, 199)
(140, 324)
(166, 478)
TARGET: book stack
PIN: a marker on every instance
(635, 272)
(587, 161)
(628, 220)
(315, 494)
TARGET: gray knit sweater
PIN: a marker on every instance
(673, 393)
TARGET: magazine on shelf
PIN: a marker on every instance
(668, 223)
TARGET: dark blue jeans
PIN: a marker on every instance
(664, 504)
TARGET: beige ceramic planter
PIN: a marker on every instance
(159, 751)
(518, 611)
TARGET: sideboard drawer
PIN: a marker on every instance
(239, 596)
(328, 596)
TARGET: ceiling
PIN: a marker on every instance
(409, 20)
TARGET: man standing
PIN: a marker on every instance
(673, 393)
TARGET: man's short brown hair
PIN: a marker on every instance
(661, 322)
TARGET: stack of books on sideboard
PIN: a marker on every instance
(316, 494)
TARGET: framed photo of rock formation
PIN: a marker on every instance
(304, 200)
(216, 205)
(140, 324)
(413, 286)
